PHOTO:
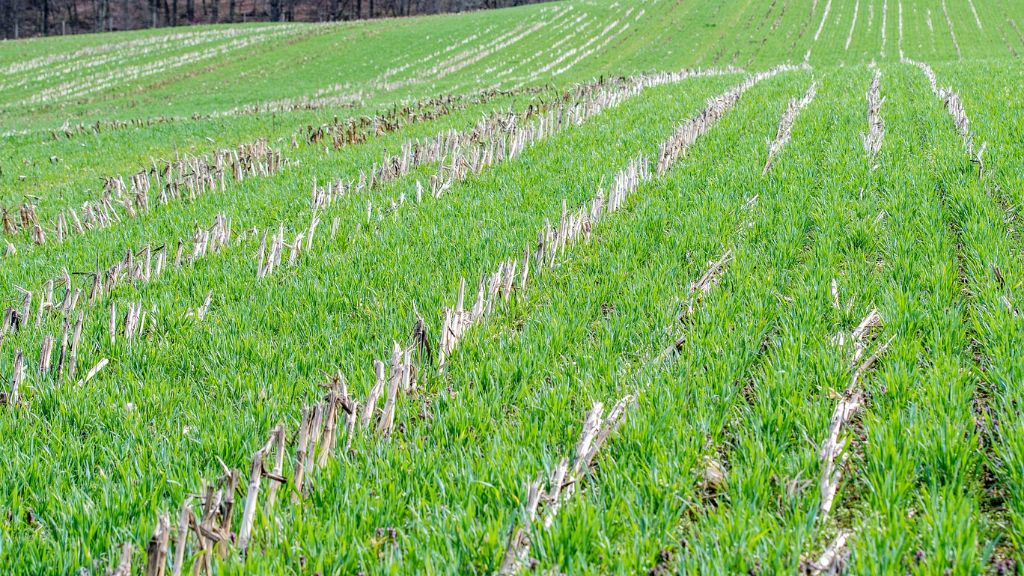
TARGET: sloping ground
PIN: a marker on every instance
(487, 306)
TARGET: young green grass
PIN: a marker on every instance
(766, 515)
(708, 474)
(980, 211)
(370, 305)
(542, 363)
(920, 477)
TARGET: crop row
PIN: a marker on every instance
(497, 139)
(989, 268)
(220, 315)
(401, 370)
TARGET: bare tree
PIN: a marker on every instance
(23, 18)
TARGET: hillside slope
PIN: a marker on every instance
(587, 287)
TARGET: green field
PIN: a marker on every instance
(581, 287)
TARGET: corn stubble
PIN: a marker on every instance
(125, 265)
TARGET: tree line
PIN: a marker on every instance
(26, 18)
